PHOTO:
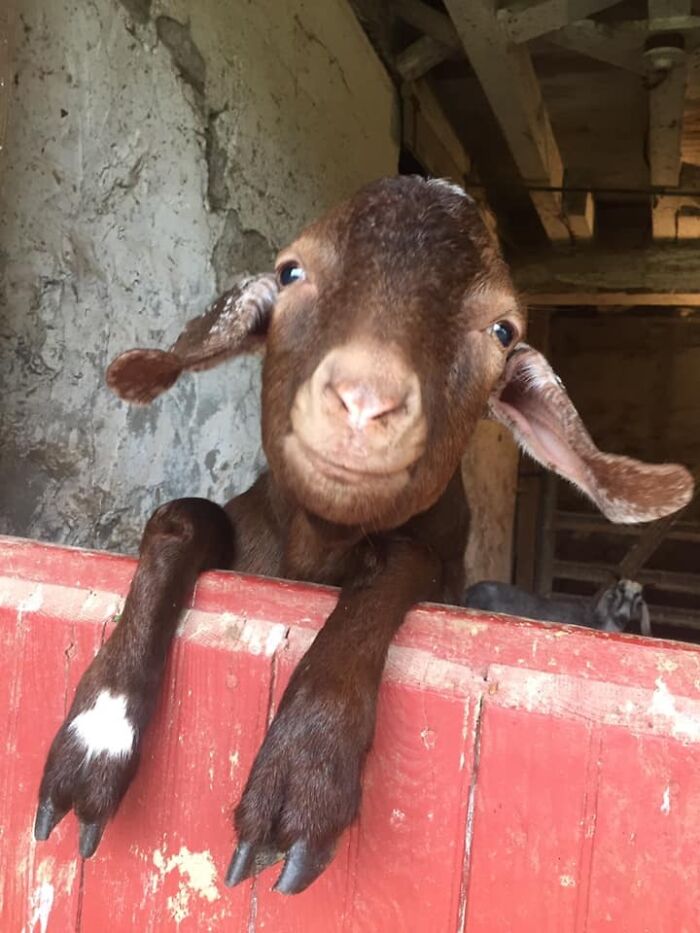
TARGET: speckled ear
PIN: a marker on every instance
(235, 323)
(532, 402)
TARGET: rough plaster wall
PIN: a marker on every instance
(153, 151)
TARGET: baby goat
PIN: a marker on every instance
(617, 607)
(389, 327)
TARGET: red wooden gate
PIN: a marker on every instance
(525, 778)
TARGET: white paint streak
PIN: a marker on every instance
(663, 704)
(40, 907)
(33, 602)
(666, 800)
(105, 727)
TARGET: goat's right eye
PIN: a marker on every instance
(289, 273)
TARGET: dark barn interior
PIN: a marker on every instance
(577, 126)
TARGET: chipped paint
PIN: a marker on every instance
(33, 602)
(567, 881)
(666, 800)
(40, 904)
(197, 876)
(663, 704)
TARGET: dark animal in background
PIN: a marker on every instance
(390, 326)
(617, 608)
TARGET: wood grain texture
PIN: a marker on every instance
(525, 777)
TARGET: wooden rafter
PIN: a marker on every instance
(594, 40)
(525, 21)
(667, 80)
(438, 42)
(429, 135)
(655, 276)
(508, 78)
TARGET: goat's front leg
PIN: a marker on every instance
(95, 752)
(304, 788)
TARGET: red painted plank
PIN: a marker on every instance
(39, 886)
(587, 807)
(475, 639)
(162, 861)
(401, 867)
(582, 814)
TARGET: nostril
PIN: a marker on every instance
(364, 404)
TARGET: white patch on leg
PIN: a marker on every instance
(105, 727)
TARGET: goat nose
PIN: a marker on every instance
(364, 403)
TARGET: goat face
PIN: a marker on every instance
(392, 326)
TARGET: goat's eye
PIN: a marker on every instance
(504, 332)
(289, 273)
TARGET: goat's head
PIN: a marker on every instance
(390, 327)
(620, 605)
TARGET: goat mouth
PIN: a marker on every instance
(336, 470)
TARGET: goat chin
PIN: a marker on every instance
(338, 494)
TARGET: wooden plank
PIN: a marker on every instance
(39, 888)
(420, 57)
(667, 89)
(585, 523)
(600, 42)
(606, 573)
(666, 80)
(524, 20)
(579, 208)
(546, 537)
(649, 542)
(661, 616)
(558, 818)
(430, 21)
(429, 134)
(173, 854)
(662, 275)
(646, 792)
(399, 868)
(528, 507)
(508, 78)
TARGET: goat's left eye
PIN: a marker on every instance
(289, 273)
(504, 332)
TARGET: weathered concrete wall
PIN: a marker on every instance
(154, 150)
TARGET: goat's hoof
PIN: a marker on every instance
(90, 835)
(303, 864)
(47, 819)
(249, 860)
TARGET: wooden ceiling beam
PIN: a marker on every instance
(508, 78)
(594, 40)
(420, 57)
(524, 21)
(667, 81)
(429, 135)
(429, 21)
(664, 276)
(438, 43)
(667, 78)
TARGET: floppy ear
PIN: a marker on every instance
(235, 323)
(532, 402)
